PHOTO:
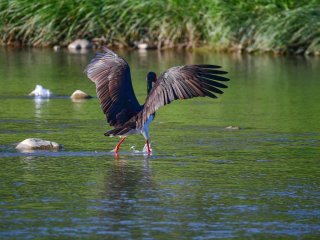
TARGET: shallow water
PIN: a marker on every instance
(202, 181)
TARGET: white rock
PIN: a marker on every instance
(78, 94)
(142, 45)
(56, 48)
(37, 144)
(232, 128)
(79, 44)
(40, 91)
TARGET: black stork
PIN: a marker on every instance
(111, 75)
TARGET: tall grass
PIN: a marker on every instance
(244, 25)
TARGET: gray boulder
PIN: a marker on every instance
(30, 144)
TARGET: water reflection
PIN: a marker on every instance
(128, 183)
(143, 53)
(125, 180)
(79, 51)
(38, 104)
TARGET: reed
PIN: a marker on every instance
(280, 26)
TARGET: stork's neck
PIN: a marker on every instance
(149, 86)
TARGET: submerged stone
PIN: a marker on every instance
(232, 128)
(78, 94)
(38, 144)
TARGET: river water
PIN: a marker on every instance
(201, 182)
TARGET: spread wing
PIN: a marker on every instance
(111, 74)
(183, 82)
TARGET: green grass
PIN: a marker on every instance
(280, 26)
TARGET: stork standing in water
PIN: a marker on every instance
(111, 74)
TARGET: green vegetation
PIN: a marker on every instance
(280, 26)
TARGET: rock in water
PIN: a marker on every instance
(38, 144)
(232, 128)
(78, 94)
(56, 48)
(79, 44)
(142, 45)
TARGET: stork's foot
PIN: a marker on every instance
(147, 148)
(116, 149)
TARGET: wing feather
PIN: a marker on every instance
(182, 82)
(111, 74)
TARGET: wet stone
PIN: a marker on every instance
(80, 44)
(232, 128)
(38, 144)
(78, 94)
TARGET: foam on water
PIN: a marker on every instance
(41, 92)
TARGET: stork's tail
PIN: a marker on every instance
(123, 130)
(117, 132)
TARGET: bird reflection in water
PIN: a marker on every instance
(38, 104)
(127, 177)
(128, 182)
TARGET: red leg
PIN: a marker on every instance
(118, 145)
(148, 147)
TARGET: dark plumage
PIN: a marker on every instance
(111, 74)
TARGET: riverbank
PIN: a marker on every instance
(250, 26)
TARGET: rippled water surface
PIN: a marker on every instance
(202, 181)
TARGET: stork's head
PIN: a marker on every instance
(151, 78)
